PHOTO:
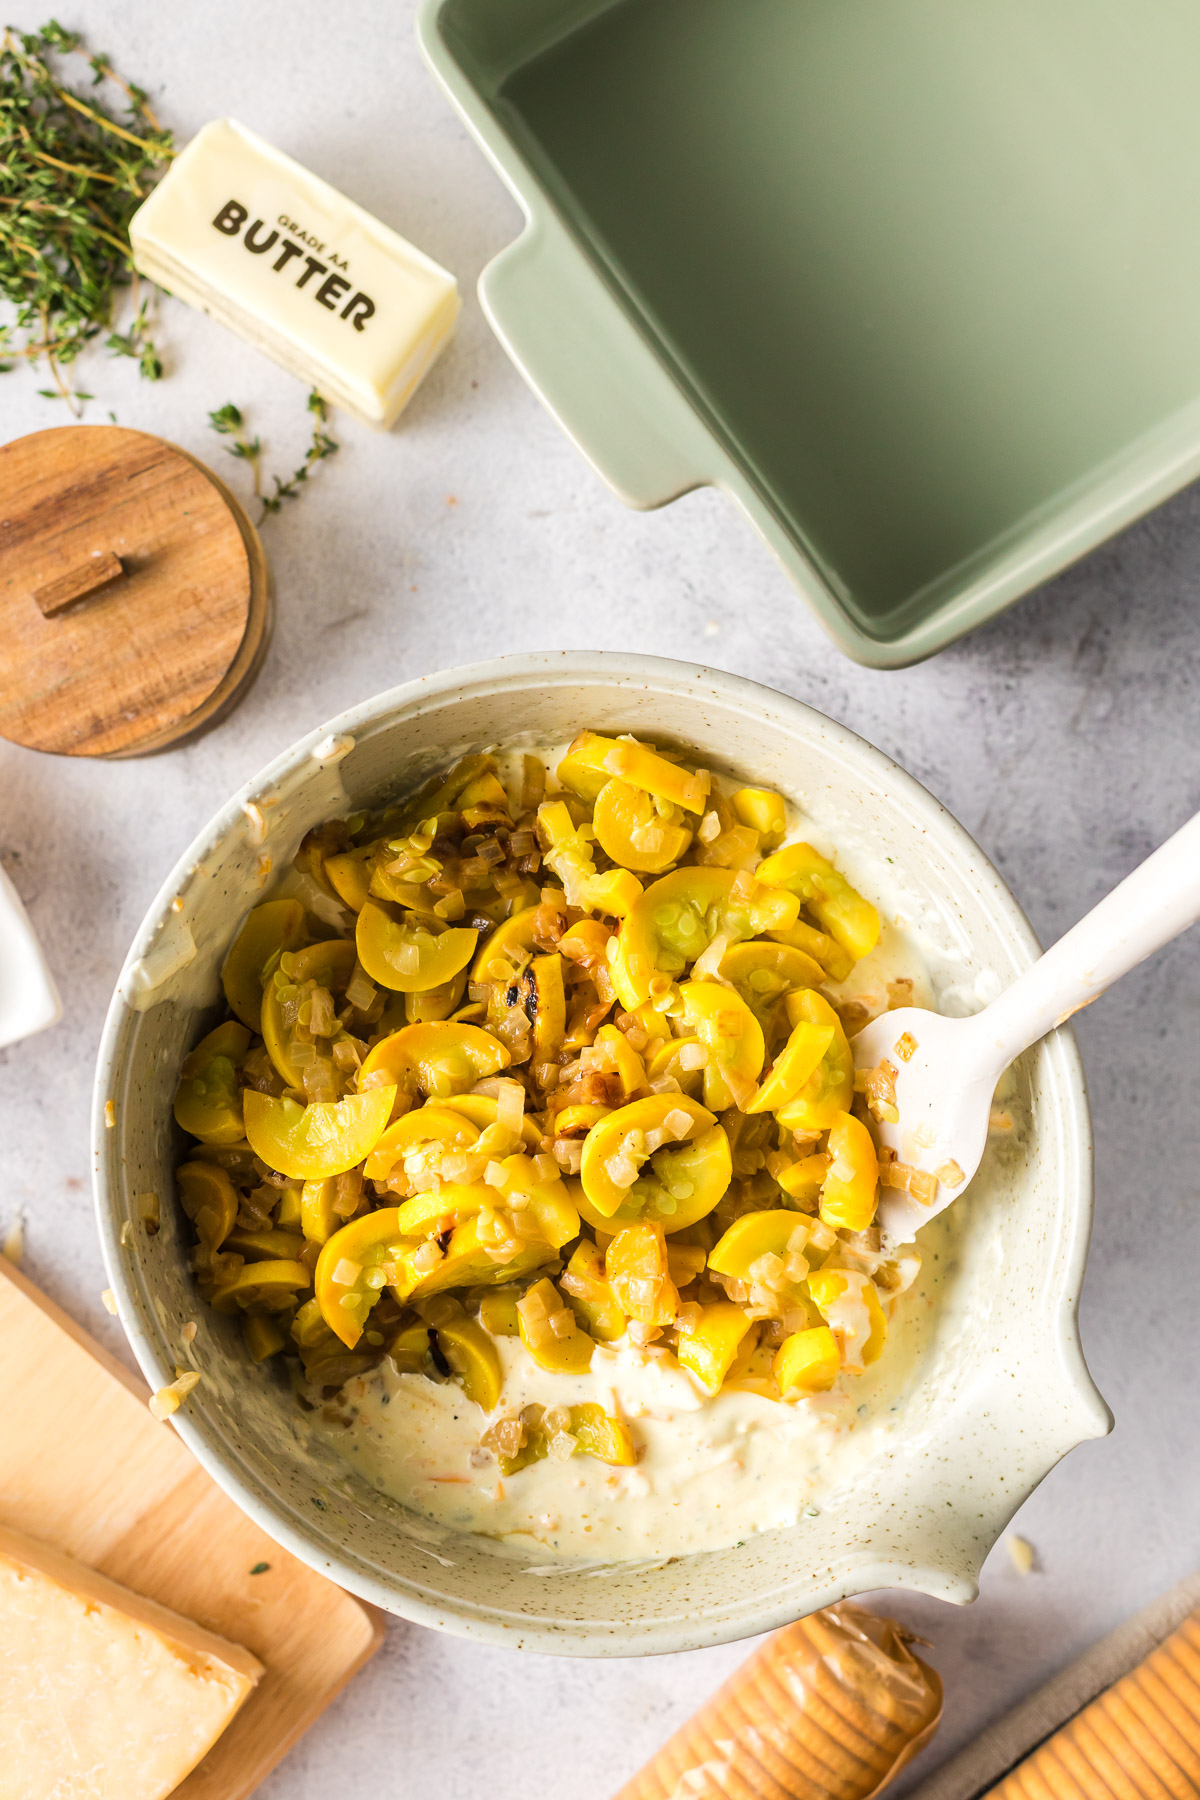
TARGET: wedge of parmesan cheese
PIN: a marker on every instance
(103, 1695)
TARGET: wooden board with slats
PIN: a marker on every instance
(85, 1467)
(985, 1766)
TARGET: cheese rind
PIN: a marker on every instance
(248, 236)
(104, 1695)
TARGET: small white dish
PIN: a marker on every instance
(1005, 1392)
(29, 1000)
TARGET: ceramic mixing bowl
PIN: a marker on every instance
(1002, 1392)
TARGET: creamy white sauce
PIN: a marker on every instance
(711, 1470)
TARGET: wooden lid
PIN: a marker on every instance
(134, 593)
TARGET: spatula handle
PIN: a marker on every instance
(1149, 908)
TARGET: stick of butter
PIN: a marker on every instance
(103, 1693)
(287, 262)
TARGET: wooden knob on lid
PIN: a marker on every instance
(134, 593)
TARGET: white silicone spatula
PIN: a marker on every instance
(944, 1088)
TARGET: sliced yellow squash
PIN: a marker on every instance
(349, 1278)
(324, 1138)
(616, 1148)
(441, 1059)
(852, 1184)
(678, 916)
(710, 1347)
(837, 907)
(276, 925)
(807, 1362)
(829, 1090)
(550, 1331)
(209, 1199)
(208, 1100)
(404, 955)
(733, 1037)
(634, 831)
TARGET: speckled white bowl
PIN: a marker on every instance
(1003, 1391)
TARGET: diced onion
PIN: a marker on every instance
(360, 989)
(166, 1400)
(510, 1104)
(708, 963)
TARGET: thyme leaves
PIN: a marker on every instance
(73, 171)
(228, 421)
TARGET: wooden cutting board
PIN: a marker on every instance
(84, 1467)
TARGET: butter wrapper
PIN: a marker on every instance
(339, 299)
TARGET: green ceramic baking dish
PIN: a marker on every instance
(917, 282)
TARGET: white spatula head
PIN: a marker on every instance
(944, 1091)
(946, 1070)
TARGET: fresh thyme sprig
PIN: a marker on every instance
(136, 343)
(229, 422)
(72, 174)
(321, 446)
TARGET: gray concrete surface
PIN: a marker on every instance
(1064, 737)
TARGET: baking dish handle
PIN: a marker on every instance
(590, 366)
